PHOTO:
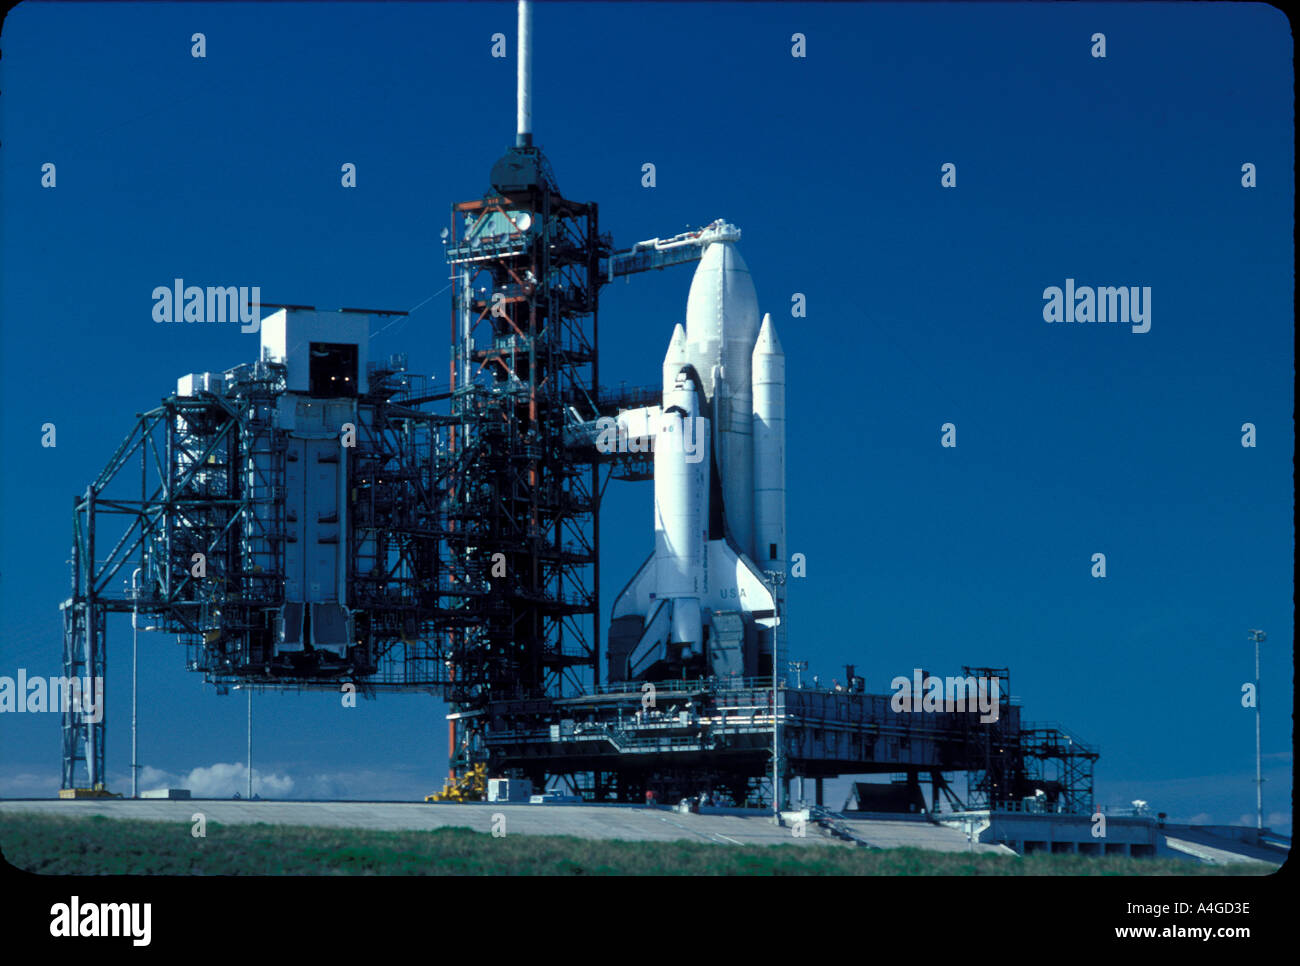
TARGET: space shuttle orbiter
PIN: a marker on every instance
(701, 604)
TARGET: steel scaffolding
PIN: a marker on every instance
(521, 510)
(204, 520)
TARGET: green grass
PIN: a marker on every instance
(104, 846)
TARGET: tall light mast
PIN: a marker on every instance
(1258, 637)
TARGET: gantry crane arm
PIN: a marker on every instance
(655, 253)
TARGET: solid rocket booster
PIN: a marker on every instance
(681, 482)
(769, 461)
(769, 448)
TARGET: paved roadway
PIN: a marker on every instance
(625, 822)
(630, 823)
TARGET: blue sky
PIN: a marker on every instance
(924, 307)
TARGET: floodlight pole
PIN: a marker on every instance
(250, 744)
(135, 649)
(775, 577)
(798, 667)
(1258, 637)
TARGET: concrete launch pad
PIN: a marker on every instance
(618, 822)
(716, 826)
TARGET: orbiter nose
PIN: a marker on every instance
(675, 357)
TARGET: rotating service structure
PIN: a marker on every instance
(283, 523)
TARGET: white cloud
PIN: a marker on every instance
(222, 780)
(151, 777)
(29, 784)
(1277, 821)
(1206, 799)
(366, 785)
